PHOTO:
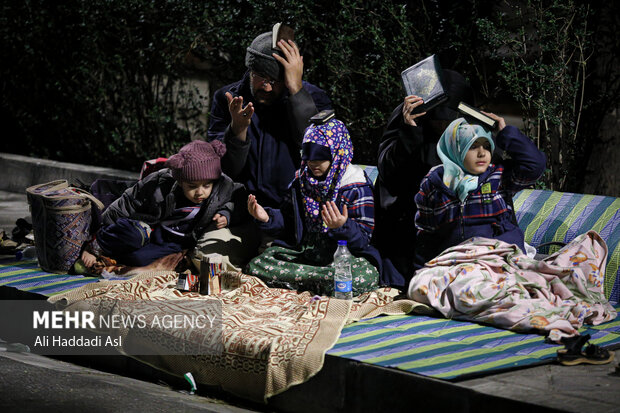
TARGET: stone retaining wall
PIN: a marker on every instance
(20, 172)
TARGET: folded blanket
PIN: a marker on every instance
(490, 281)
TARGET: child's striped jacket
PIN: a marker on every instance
(356, 191)
(443, 220)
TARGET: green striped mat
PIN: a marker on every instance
(27, 276)
(450, 349)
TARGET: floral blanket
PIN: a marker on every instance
(490, 281)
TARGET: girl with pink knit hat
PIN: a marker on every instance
(167, 211)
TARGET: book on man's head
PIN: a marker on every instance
(425, 79)
(281, 32)
(472, 113)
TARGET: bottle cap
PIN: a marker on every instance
(342, 242)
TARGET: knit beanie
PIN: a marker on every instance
(197, 161)
(258, 57)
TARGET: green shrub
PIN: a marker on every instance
(95, 82)
(104, 82)
(542, 47)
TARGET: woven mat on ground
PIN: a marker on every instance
(447, 349)
(272, 338)
(28, 276)
(434, 346)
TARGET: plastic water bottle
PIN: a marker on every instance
(343, 280)
(28, 253)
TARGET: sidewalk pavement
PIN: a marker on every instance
(20, 172)
(342, 385)
(33, 383)
(12, 207)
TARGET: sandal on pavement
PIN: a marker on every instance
(575, 352)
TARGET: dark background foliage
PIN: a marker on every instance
(94, 81)
(355, 50)
(105, 82)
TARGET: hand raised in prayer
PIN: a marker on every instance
(241, 117)
(332, 216)
(257, 211)
(411, 102)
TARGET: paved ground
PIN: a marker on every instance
(12, 207)
(575, 389)
(31, 383)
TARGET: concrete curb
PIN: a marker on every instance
(20, 172)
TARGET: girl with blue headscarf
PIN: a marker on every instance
(330, 199)
(468, 195)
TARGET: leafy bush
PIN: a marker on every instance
(96, 82)
(105, 81)
(542, 49)
(354, 50)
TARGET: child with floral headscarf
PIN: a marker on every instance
(468, 196)
(330, 199)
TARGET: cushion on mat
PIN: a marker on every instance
(546, 216)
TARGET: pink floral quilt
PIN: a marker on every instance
(492, 282)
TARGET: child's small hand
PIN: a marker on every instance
(411, 102)
(332, 216)
(88, 259)
(257, 211)
(220, 221)
(501, 123)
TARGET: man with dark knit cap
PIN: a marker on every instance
(261, 118)
(406, 153)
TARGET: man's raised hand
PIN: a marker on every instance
(241, 117)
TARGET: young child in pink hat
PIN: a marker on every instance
(167, 211)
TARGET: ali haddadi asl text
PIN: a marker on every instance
(77, 341)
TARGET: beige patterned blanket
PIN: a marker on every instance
(270, 339)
